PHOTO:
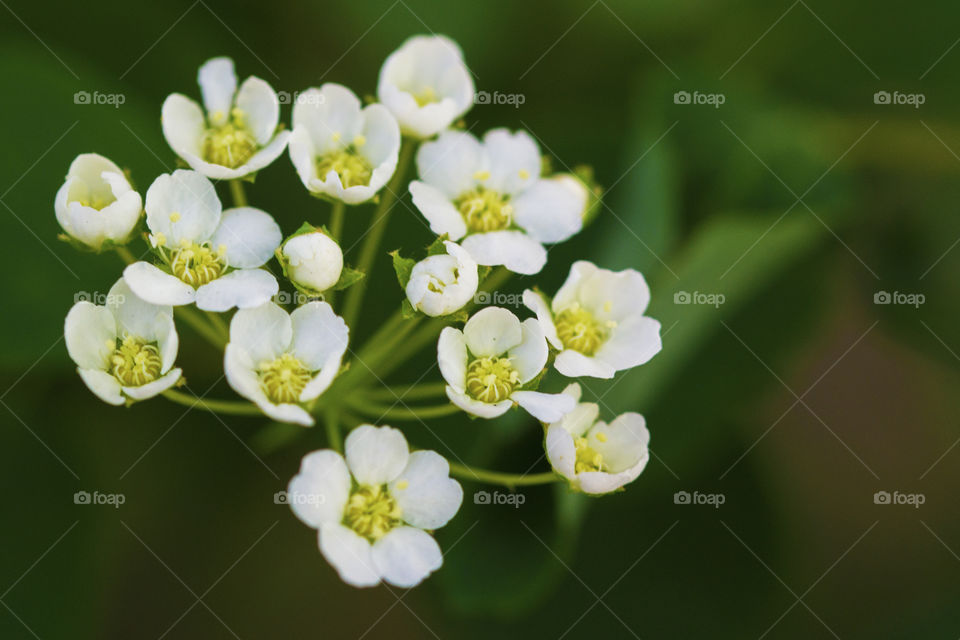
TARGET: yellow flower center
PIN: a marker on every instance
(230, 144)
(588, 459)
(134, 362)
(372, 512)
(425, 96)
(580, 331)
(484, 210)
(353, 169)
(283, 379)
(198, 264)
(491, 380)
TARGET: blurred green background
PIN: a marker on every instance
(798, 199)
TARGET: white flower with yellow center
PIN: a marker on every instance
(596, 321)
(313, 260)
(282, 361)
(426, 85)
(124, 350)
(373, 510)
(596, 457)
(488, 363)
(237, 136)
(207, 256)
(96, 204)
(442, 284)
(340, 150)
(490, 197)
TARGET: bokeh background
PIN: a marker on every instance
(797, 200)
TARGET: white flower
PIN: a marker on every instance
(596, 321)
(426, 84)
(491, 195)
(597, 457)
(341, 151)
(209, 257)
(97, 204)
(237, 136)
(313, 260)
(442, 284)
(487, 364)
(125, 349)
(280, 361)
(373, 526)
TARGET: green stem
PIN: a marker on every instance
(228, 407)
(378, 226)
(465, 472)
(125, 254)
(238, 193)
(195, 320)
(363, 406)
(410, 392)
(336, 220)
(332, 424)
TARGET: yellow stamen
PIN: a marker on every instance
(491, 380)
(284, 378)
(371, 512)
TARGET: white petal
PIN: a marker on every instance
(376, 455)
(551, 210)
(104, 385)
(574, 364)
(426, 494)
(623, 443)
(491, 332)
(183, 206)
(242, 377)
(633, 342)
(515, 250)
(538, 304)
(561, 451)
(530, 356)
(303, 155)
(452, 357)
(615, 295)
(545, 407)
(349, 554)
(249, 235)
(157, 287)
(260, 107)
(381, 145)
(136, 316)
(218, 83)
(90, 333)
(330, 115)
(405, 556)
(598, 482)
(264, 332)
(151, 389)
(245, 289)
(318, 334)
(514, 160)
(451, 162)
(440, 213)
(183, 125)
(168, 342)
(569, 292)
(580, 419)
(319, 492)
(475, 407)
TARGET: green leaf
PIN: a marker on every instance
(348, 278)
(403, 267)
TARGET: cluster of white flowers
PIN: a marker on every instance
(490, 202)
